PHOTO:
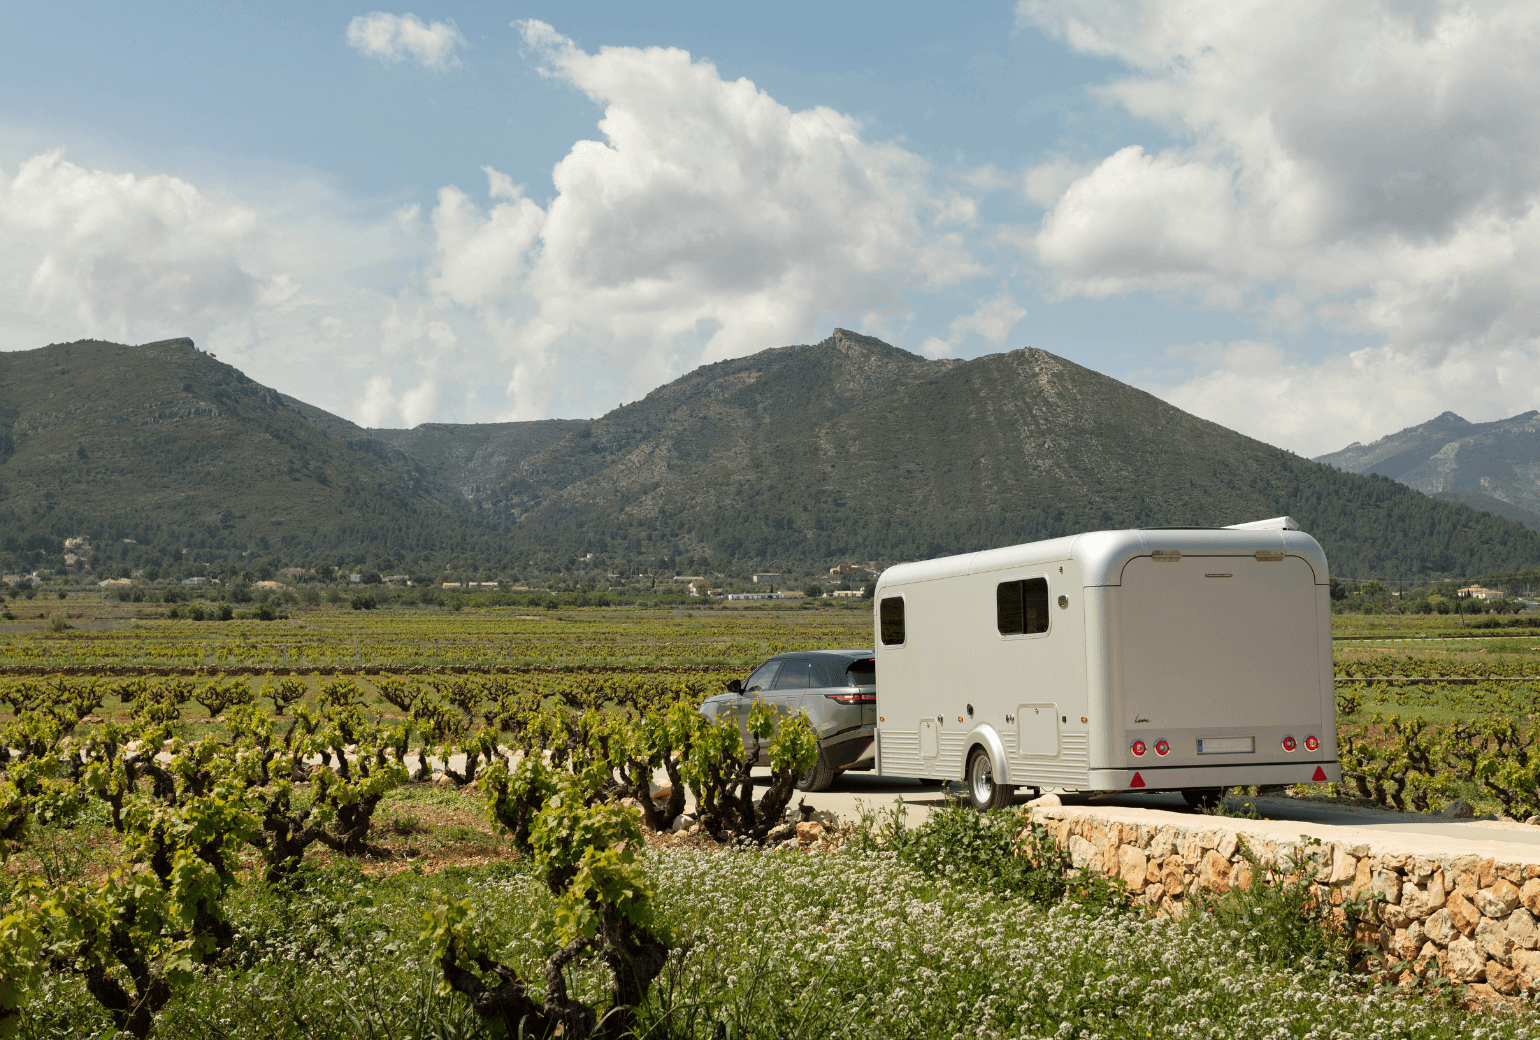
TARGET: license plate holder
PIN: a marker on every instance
(1227, 745)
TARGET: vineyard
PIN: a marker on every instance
(436, 823)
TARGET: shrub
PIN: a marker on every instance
(362, 601)
(56, 622)
(1000, 852)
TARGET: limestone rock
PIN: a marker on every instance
(1466, 961)
(1418, 903)
(1439, 929)
(1527, 964)
(1529, 895)
(1083, 855)
(809, 831)
(1522, 929)
(1386, 886)
(1466, 875)
(1344, 866)
(1241, 876)
(1502, 978)
(682, 822)
(1499, 900)
(1493, 939)
(1132, 865)
(1045, 801)
(781, 833)
(1227, 845)
(1214, 872)
(1459, 809)
(1462, 913)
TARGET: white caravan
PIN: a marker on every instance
(1164, 660)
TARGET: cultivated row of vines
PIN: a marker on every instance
(241, 791)
(1420, 746)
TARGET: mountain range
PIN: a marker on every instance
(1493, 466)
(844, 450)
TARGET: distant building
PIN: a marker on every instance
(790, 595)
(751, 595)
(78, 542)
(355, 578)
(846, 593)
(14, 579)
(268, 585)
(396, 577)
(688, 578)
(452, 585)
(762, 579)
(845, 568)
(71, 559)
(110, 582)
(1478, 592)
(197, 581)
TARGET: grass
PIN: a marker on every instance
(861, 942)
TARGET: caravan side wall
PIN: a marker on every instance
(1027, 692)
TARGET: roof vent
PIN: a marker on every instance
(1277, 523)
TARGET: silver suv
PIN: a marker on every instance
(837, 689)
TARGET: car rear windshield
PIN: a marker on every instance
(862, 673)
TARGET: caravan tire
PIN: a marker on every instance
(819, 777)
(983, 792)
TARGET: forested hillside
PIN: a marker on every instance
(798, 457)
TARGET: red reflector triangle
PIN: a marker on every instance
(1320, 774)
(1137, 781)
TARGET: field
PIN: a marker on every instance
(158, 897)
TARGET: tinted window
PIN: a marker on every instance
(827, 674)
(890, 621)
(1021, 607)
(762, 677)
(794, 675)
(862, 673)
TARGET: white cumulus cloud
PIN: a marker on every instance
(394, 38)
(1371, 168)
(109, 254)
(710, 221)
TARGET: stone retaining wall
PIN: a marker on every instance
(1474, 916)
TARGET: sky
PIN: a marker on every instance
(1314, 223)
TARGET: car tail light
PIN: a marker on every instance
(1162, 748)
(1137, 747)
(853, 698)
(1289, 743)
(1312, 743)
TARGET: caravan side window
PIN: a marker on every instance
(1021, 607)
(890, 621)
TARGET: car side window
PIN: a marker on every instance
(890, 621)
(861, 673)
(763, 676)
(794, 675)
(1021, 607)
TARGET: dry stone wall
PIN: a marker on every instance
(1473, 916)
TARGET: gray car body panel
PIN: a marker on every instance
(844, 731)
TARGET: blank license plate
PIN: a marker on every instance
(1226, 745)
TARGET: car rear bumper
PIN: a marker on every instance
(1175, 778)
(849, 749)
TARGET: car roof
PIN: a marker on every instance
(851, 654)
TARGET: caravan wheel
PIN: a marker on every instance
(983, 792)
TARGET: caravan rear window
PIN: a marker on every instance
(1021, 607)
(890, 621)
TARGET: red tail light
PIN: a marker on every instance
(1289, 743)
(1312, 743)
(853, 698)
(1162, 747)
(1137, 747)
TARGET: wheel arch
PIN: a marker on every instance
(984, 737)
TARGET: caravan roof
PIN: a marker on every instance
(1103, 554)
